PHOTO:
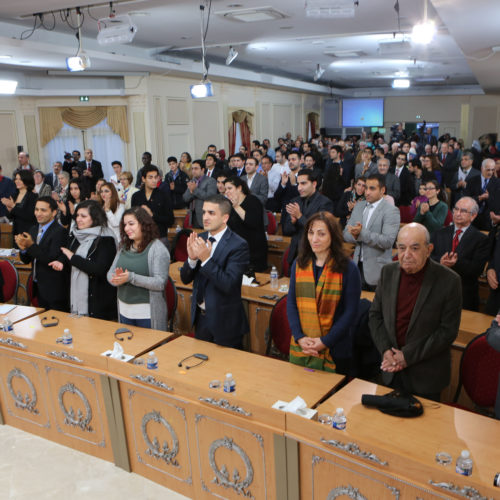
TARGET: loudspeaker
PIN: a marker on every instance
(20, 149)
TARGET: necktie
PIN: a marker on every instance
(39, 235)
(88, 165)
(456, 240)
(485, 185)
(202, 282)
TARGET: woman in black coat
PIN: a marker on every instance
(247, 221)
(90, 254)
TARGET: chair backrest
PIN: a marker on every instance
(29, 291)
(187, 221)
(179, 245)
(10, 280)
(479, 370)
(285, 266)
(271, 225)
(405, 214)
(449, 219)
(279, 329)
(171, 296)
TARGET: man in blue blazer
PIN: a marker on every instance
(216, 261)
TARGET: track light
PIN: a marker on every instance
(231, 56)
(81, 61)
(319, 72)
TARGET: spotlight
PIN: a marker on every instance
(231, 56)
(423, 32)
(8, 86)
(80, 62)
(203, 89)
(400, 83)
(318, 73)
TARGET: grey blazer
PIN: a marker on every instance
(207, 187)
(392, 186)
(432, 329)
(358, 170)
(260, 187)
(377, 239)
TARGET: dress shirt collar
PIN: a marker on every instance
(374, 205)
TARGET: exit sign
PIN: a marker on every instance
(84, 98)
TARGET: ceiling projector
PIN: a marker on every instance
(115, 29)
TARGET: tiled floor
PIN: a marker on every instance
(34, 468)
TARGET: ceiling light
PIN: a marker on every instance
(253, 15)
(5, 57)
(400, 83)
(115, 29)
(330, 8)
(203, 89)
(8, 86)
(424, 32)
(231, 56)
(318, 73)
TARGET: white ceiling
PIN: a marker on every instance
(281, 52)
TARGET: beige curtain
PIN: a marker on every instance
(313, 118)
(51, 120)
(240, 116)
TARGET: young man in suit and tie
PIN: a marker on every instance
(463, 176)
(42, 245)
(373, 227)
(216, 261)
(257, 183)
(415, 316)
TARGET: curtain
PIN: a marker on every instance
(244, 119)
(312, 123)
(245, 135)
(232, 139)
(67, 139)
(82, 117)
(107, 147)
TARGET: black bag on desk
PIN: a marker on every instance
(395, 403)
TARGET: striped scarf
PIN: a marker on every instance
(316, 305)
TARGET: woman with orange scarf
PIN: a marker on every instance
(323, 298)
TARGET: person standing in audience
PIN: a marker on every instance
(41, 187)
(217, 259)
(157, 203)
(21, 207)
(112, 207)
(60, 193)
(199, 189)
(24, 163)
(176, 180)
(92, 169)
(463, 176)
(238, 167)
(406, 184)
(288, 186)
(323, 298)
(256, 182)
(247, 220)
(115, 178)
(221, 187)
(76, 155)
(146, 162)
(298, 211)
(463, 248)
(7, 190)
(185, 164)
(392, 187)
(127, 190)
(348, 201)
(212, 170)
(415, 316)
(77, 193)
(140, 271)
(373, 228)
(89, 255)
(433, 213)
(41, 245)
(52, 178)
(420, 198)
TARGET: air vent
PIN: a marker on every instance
(256, 15)
(345, 53)
(392, 48)
(330, 8)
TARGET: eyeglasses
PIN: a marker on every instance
(461, 210)
(429, 188)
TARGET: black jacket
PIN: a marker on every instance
(23, 214)
(180, 186)
(96, 169)
(101, 295)
(161, 206)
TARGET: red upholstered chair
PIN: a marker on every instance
(285, 267)
(449, 219)
(405, 213)
(179, 245)
(187, 221)
(171, 297)
(479, 371)
(271, 226)
(279, 330)
(29, 291)
(10, 279)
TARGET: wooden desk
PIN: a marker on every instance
(179, 216)
(276, 247)
(6, 236)
(205, 431)
(400, 453)
(20, 313)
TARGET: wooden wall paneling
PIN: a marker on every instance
(177, 112)
(206, 125)
(178, 142)
(32, 140)
(8, 142)
(282, 119)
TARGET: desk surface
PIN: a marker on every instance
(20, 313)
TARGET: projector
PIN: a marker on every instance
(80, 62)
(115, 29)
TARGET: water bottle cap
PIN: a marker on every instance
(465, 454)
(66, 330)
(152, 353)
(229, 375)
(274, 267)
(340, 411)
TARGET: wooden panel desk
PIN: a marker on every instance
(20, 313)
(385, 457)
(62, 393)
(201, 441)
(6, 236)
(276, 247)
(179, 216)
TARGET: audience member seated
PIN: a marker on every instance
(373, 227)
(463, 176)
(90, 254)
(415, 317)
(41, 187)
(157, 203)
(323, 298)
(247, 220)
(200, 187)
(349, 199)
(176, 180)
(112, 207)
(433, 213)
(127, 190)
(421, 198)
(463, 248)
(140, 270)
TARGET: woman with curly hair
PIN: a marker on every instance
(140, 272)
(111, 204)
(323, 297)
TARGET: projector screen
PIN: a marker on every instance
(363, 113)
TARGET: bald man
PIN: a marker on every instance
(415, 316)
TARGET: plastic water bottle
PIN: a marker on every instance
(229, 383)
(67, 338)
(274, 278)
(178, 229)
(464, 464)
(7, 325)
(339, 420)
(152, 361)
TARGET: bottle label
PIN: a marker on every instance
(339, 425)
(152, 364)
(229, 387)
(462, 471)
(67, 340)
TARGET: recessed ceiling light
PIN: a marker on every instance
(286, 27)
(253, 15)
(6, 56)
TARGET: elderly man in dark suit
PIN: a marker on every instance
(464, 249)
(463, 176)
(216, 261)
(295, 214)
(415, 317)
(92, 169)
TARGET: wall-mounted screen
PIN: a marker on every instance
(362, 112)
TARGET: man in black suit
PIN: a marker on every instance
(92, 170)
(484, 190)
(464, 249)
(52, 178)
(156, 202)
(176, 182)
(211, 169)
(287, 189)
(146, 162)
(296, 213)
(216, 261)
(42, 245)
(406, 184)
(463, 176)
(238, 165)
(448, 161)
